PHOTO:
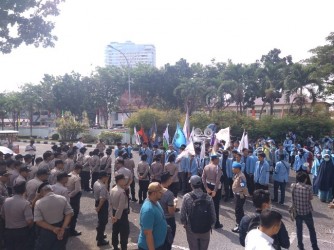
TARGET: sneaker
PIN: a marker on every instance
(102, 243)
(177, 210)
(134, 200)
(218, 226)
(236, 229)
(75, 233)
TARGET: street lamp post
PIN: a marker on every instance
(129, 79)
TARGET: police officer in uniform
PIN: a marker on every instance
(74, 192)
(52, 214)
(101, 196)
(211, 181)
(4, 177)
(17, 213)
(127, 173)
(240, 190)
(119, 203)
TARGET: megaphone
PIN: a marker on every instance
(208, 132)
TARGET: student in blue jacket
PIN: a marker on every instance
(281, 177)
(261, 174)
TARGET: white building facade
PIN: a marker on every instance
(116, 54)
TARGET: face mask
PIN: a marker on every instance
(287, 138)
(326, 159)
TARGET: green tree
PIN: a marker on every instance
(271, 75)
(3, 111)
(14, 107)
(69, 128)
(27, 22)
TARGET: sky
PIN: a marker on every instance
(196, 30)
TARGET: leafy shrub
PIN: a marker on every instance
(55, 137)
(88, 138)
(110, 137)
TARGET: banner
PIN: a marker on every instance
(179, 137)
(224, 134)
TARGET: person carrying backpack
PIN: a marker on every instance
(198, 215)
(261, 201)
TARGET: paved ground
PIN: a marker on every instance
(220, 239)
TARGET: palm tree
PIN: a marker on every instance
(301, 84)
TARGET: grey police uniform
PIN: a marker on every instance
(74, 191)
(119, 203)
(16, 211)
(31, 188)
(101, 192)
(51, 209)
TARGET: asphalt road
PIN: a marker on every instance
(220, 239)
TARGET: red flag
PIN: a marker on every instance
(142, 134)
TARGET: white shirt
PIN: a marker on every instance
(80, 145)
(256, 240)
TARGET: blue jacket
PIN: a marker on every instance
(117, 150)
(287, 144)
(315, 166)
(281, 173)
(228, 169)
(299, 161)
(193, 168)
(284, 152)
(249, 164)
(261, 175)
(148, 152)
(184, 165)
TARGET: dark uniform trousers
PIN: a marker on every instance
(227, 182)
(133, 188)
(85, 176)
(48, 240)
(143, 187)
(260, 186)
(75, 204)
(250, 182)
(239, 208)
(122, 228)
(2, 233)
(17, 239)
(174, 188)
(95, 177)
(102, 216)
(216, 200)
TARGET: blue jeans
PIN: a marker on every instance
(281, 185)
(308, 219)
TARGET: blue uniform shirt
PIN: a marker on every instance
(261, 174)
(281, 173)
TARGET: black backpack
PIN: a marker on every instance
(199, 217)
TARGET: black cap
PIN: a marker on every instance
(27, 156)
(62, 175)
(5, 173)
(119, 177)
(103, 174)
(42, 171)
(42, 185)
(24, 169)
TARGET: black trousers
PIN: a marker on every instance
(216, 200)
(17, 239)
(102, 216)
(143, 187)
(75, 204)
(174, 188)
(122, 228)
(250, 183)
(133, 188)
(227, 182)
(260, 186)
(95, 177)
(239, 208)
(85, 176)
(2, 233)
(48, 240)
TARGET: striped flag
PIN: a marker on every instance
(137, 137)
(186, 127)
(166, 138)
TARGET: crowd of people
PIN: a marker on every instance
(40, 196)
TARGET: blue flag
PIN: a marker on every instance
(179, 138)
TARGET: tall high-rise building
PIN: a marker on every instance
(117, 53)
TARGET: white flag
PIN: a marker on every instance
(202, 154)
(246, 141)
(186, 127)
(242, 142)
(188, 150)
(136, 136)
(165, 138)
(224, 134)
(192, 135)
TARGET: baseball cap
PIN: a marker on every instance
(195, 181)
(236, 165)
(24, 169)
(154, 187)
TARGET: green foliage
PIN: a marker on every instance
(69, 128)
(55, 137)
(110, 137)
(27, 22)
(88, 138)
(147, 117)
